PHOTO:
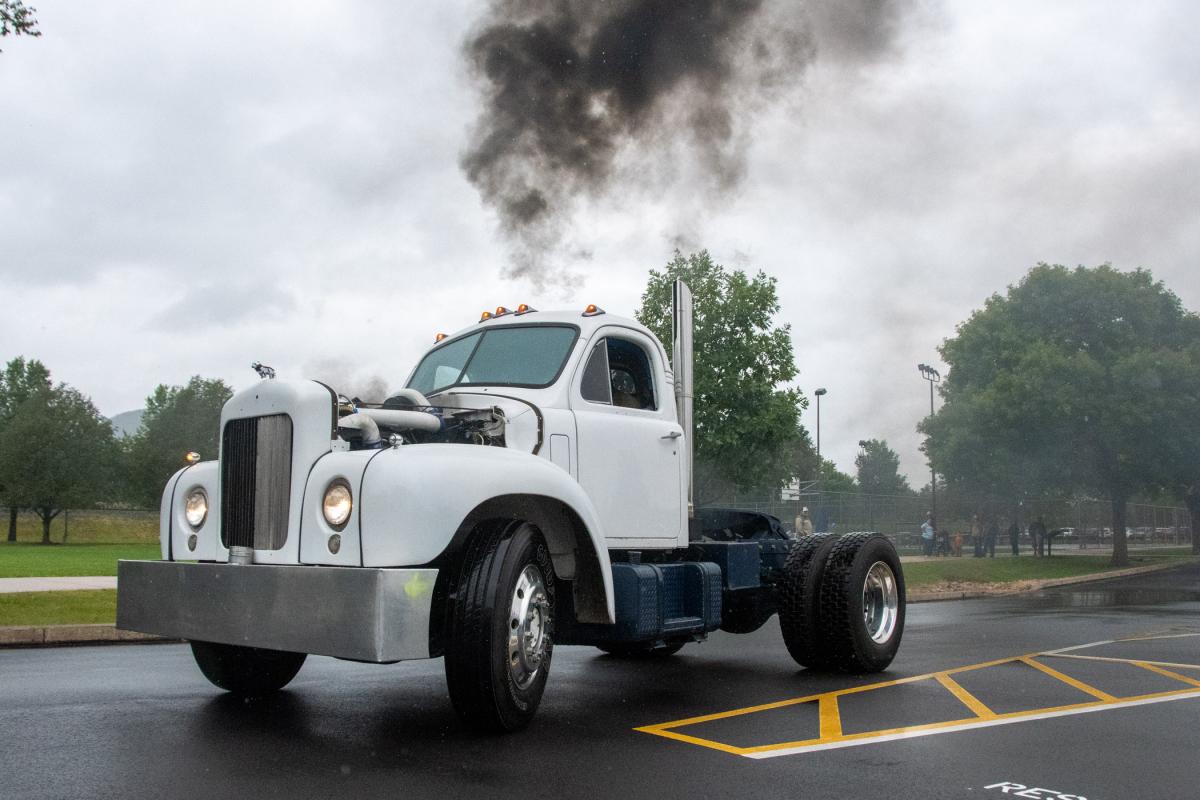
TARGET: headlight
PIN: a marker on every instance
(337, 504)
(196, 507)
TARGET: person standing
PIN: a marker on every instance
(990, 537)
(1014, 537)
(927, 533)
(977, 535)
(1037, 533)
(804, 524)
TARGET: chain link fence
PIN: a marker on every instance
(1081, 525)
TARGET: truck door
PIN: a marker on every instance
(629, 444)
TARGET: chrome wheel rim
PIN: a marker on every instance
(528, 627)
(881, 602)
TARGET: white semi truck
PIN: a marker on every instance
(531, 486)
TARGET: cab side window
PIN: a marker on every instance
(630, 375)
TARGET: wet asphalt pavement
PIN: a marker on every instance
(140, 721)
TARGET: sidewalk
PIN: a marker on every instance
(10, 585)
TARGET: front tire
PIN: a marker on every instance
(246, 671)
(501, 628)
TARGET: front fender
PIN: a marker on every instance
(415, 497)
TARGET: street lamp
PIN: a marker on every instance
(933, 376)
(820, 464)
(819, 393)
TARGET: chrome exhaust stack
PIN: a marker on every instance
(681, 366)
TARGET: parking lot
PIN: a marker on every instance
(1085, 691)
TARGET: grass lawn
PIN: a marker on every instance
(24, 560)
(58, 608)
(1005, 570)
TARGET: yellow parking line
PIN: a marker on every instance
(969, 700)
(812, 745)
(831, 718)
(1067, 679)
(683, 737)
(831, 734)
(1155, 668)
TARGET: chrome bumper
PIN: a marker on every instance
(364, 614)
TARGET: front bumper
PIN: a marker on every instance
(365, 614)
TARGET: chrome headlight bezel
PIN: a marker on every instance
(337, 504)
(195, 507)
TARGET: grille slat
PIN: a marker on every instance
(256, 479)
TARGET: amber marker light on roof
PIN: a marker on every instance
(501, 311)
(485, 316)
(592, 310)
(524, 308)
(439, 337)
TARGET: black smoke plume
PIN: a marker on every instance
(571, 85)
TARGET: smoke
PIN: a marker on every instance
(336, 374)
(571, 88)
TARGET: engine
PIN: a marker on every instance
(409, 418)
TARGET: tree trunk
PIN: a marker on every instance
(12, 524)
(1120, 554)
(1192, 498)
(47, 515)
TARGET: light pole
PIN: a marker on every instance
(862, 444)
(820, 464)
(933, 376)
(819, 393)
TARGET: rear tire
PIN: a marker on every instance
(800, 599)
(501, 627)
(246, 671)
(862, 598)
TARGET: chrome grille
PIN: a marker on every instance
(256, 481)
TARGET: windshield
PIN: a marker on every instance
(530, 356)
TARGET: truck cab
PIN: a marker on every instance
(529, 486)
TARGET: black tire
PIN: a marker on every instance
(483, 688)
(848, 642)
(641, 649)
(246, 671)
(800, 600)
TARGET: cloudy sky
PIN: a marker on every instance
(188, 187)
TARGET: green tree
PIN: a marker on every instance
(20, 381)
(834, 480)
(17, 19)
(878, 469)
(747, 424)
(56, 452)
(177, 420)
(1082, 381)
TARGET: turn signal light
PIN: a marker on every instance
(192, 458)
(592, 310)
(439, 337)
